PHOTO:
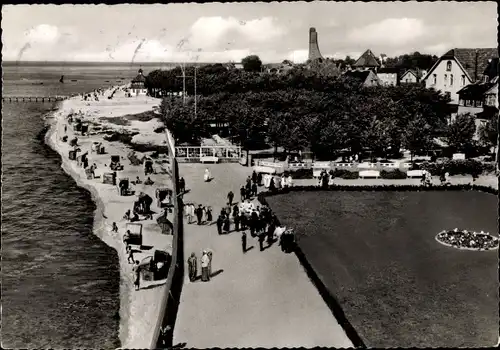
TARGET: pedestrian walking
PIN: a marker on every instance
(254, 218)
(254, 177)
(114, 228)
(226, 227)
(237, 220)
(208, 212)
(243, 193)
(228, 210)
(236, 210)
(137, 275)
(199, 214)
(254, 189)
(182, 185)
(205, 260)
(220, 222)
(230, 197)
(210, 255)
(261, 242)
(130, 255)
(243, 220)
(259, 179)
(244, 242)
(192, 266)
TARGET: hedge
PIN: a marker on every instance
(377, 188)
(344, 174)
(304, 173)
(459, 167)
(393, 174)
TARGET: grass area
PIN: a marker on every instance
(376, 253)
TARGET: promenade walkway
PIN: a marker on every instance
(257, 299)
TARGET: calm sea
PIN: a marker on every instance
(60, 283)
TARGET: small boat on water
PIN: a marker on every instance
(74, 80)
(106, 81)
(37, 83)
(62, 79)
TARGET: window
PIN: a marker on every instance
(434, 79)
(468, 103)
(448, 66)
(479, 103)
(485, 79)
(451, 79)
(408, 80)
(445, 79)
(463, 80)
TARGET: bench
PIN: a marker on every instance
(369, 173)
(414, 173)
(206, 159)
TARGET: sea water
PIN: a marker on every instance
(60, 283)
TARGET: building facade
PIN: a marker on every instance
(367, 61)
(365, 78)
(137, 86)
(388, 76)
(409, 77)
(458, 68)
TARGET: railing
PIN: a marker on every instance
(33, 98)
(196, 152)
(175, 278)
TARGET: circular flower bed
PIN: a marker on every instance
(464, 239)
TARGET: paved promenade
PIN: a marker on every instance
(258, 299)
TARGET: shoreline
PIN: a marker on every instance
(137, 310)
(98, 219)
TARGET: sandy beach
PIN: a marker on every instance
(138, 309)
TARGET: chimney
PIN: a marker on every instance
(314, 52)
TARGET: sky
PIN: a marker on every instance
(215, 32)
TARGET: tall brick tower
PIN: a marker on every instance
(314, 52)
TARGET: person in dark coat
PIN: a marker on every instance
(182, 185)
(223, 212)
(243, 221)
(220, 222)
(272, 187)
(244, 242)
(228, 210)
(199, 214)
(261, 242)
(243, 193)
(208, 212)
(254, 177)
(254, 189)
(226, 227)
(254, 218)
(237, 221)
(236, 210)
(137, 274)
(249, 182)
(192, 265)
(259, 179)
(230, 197)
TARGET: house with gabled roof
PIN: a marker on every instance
(409, 77)
(365, 78)
(367, 61)
(458, 68)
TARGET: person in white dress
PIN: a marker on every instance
(289, 180)
(207, 176)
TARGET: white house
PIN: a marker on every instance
(388, 76)
(409, 77)
(458, 68)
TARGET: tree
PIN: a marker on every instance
(488, 133)
(417, 136)
(252, 63)
(461, 132)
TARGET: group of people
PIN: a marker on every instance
(206, 266)
(203, 214)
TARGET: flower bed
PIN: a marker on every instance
(344, 174)
(458, 167)
(463, 239)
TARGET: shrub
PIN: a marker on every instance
(344, 174)
(393, 174)
(125, 138)
(457, 167)
(301, 174)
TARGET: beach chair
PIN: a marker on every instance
(135, 237)
(123, 186)
(161, 195)
(109, 178)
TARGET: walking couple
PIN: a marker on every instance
(206, 266)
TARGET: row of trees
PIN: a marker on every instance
(381, 119)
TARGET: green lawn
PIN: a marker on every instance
(398, 287)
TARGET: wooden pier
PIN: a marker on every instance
(33, 98)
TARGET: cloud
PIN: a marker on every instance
(392, 31)
(43, 34)
(438, 49)
(298, 56)
(217, 32)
